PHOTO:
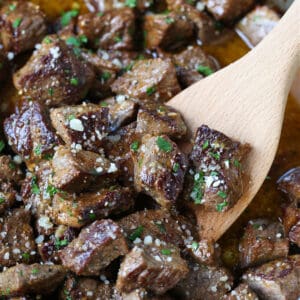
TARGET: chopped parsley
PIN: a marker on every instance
(26, 256)
(71, 117)
(195, 246)
(205, 144)
(76, 41)
(47, 40)
(221, 206)
(12, 165)
(216, 156)
(104, 104)
(169, 20)
(34, 186)
(160, 226)
(17, 22)
(135, 146)
(166, 251)
(105, 76)
(51, 190)
(38, 150)
(222, 194)
(164, 145)
(92, 216)
(131, 3)
(51, 91)
(74, 81)
(236, 163)
(136, 233)
(2, 200)
(197, 192)
(256, 226)
(100, 14)
(176, 167)
(2, 145)
(34, 271)
(61, 243)
(204, 70)
(151, 90)
(12, 7)
(118, 39)
(68, 16)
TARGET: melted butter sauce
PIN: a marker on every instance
(268, 201)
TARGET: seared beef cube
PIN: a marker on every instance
(105, 5)
(228, 10)
(121, 111)
(262, 241)
(206, 27)
(289, 183)
(16, 239)
(242, 292)
(33, 279)
(192, 64)
(22, 25)
(77, 211)
(75, 170)
(95, 248)
(86, 288)
(257, 24)
(217, 182)
(204, 282)
(83, 125)
(160, 120)
(151, 79)
(3, 65)
(29, 132)
(54, 75)
(278, 279)
(157, 226)
(154, 268)
(49, 247)
(9, 171)
(167, 31)
(7, 196)
(113, 29)
(159, 169)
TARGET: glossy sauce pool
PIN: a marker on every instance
(268, 201)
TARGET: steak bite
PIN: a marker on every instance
(95, 248)
(33, 279)
(278, 279)
(29, 132)
(160, 120)
(82, 126)
(228, 10)
(167, 31)
(192, 64)
(150, 79)
(204, 282)
(16, 239)
(54, 75)
(76, 170)
(289, 183)
(22, 26)
(159, 169)
(262, 241)
(154, 268)
(9, 171)
(113, 29)
(77, 211)
(242, 292)
(215, 180)
(258, 23)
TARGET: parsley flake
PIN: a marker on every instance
(2, 200)
(105, 76)
(166, 251)
(221, 206)
(135, 146)
(38, 150)
(205, 145)
(130, 3)
(169, 20)
(197, 192)
(68, 16)
(204, 70)
(160, 226)
(17, 22)
(222, 194)
(195, 246)
(176, 167)
(51, 190)
(151, 90)
(136, 233)
(61, 243)
(74, 81)
(2, 145)
(164, 145)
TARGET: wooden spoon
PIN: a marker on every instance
(247, 101)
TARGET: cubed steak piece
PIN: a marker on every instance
(157, 269)
(204, 282)
(193, 64)
(228, 10)
(83, 126)
(289, 183)
(262, 241)
(22, 26)
(87, 288)
(7, 196)
(113, 29)
(257, 24)
(79, 210)
(29, 132)
(31, 279)
(54, 75)
(159, 169)
(278, 279)
(215, 180)
(76, 170)
(150, 79)
(167, 31)
(160, 120)
(242, 292)
(16, 239)
(95, 248)
(291, 222)
(157, 226)
(9, 170)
